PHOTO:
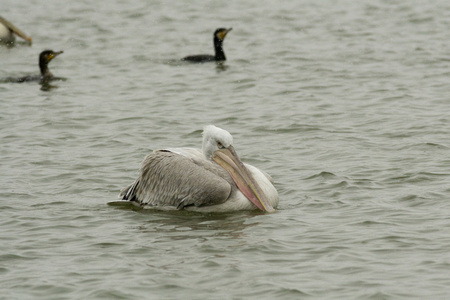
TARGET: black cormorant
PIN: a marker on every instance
(44, 58)
(219, 36)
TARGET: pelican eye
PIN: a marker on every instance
(219, 144)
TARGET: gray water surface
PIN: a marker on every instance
(344, 103)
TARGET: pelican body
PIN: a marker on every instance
(8, 32)
(213, 179)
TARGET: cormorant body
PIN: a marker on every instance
(219, 36)
(44, 59)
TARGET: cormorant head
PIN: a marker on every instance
(44, 58)
(47, 55)
(220, 33)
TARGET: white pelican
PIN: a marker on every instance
(8, 31)
(212, 180)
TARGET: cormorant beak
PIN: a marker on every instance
(229, 160)
(54, 54)
(221, 35)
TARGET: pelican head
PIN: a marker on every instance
(215, 138)
(218, 147)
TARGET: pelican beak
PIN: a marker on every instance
(15, 29)
(229, 160)
(221, 35)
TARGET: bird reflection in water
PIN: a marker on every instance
(181, 224)
(46, 86)
(220, 67)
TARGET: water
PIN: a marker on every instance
(344, 103)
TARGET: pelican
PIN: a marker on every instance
(213, 179)
(8, 31)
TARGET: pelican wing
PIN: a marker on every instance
(170, 179)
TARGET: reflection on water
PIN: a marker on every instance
(45, 85)
(15, 44)
(221, 66)
(48, 86)
(180, 224)
(181, 221)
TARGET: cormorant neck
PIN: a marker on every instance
(45, 72)
(220, 55)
